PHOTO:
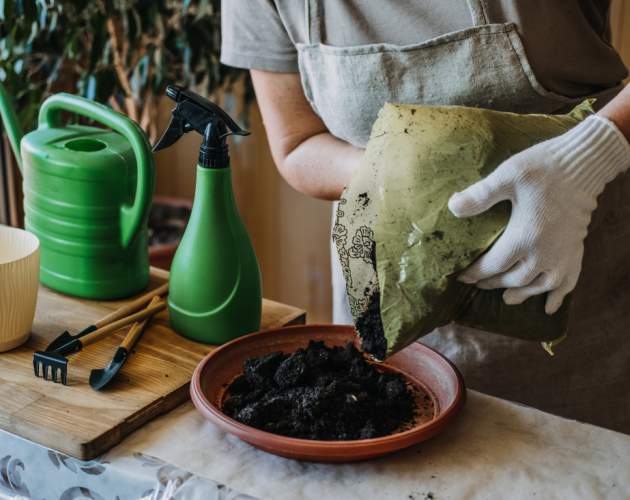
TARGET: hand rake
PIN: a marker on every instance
(52, 364)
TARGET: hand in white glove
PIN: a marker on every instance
(553, 187)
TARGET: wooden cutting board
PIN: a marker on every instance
(79, 421)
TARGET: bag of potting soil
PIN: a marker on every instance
(401, 248)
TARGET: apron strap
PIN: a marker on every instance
(313, 22)
(477, 12)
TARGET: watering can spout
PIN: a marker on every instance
(11, 124)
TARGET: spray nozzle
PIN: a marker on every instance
(193, 112)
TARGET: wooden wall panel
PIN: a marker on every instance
(620, 23)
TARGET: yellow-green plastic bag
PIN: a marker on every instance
(399, 245)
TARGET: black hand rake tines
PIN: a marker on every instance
(51, 366)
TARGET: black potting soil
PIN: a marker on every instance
(320, 393)
(370, 326)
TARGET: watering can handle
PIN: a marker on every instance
(132, 217)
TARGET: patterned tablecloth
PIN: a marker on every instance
(30, 471)
(494, 450)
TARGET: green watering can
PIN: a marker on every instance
(87, 194)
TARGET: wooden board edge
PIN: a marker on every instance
(49, 439)
(104, 442)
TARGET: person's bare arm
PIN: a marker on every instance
(618, 111)
(310, 159)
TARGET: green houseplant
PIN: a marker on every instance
(120, 52)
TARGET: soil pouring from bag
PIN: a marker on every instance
(324, 393)
(370, 324)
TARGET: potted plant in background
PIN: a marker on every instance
(122, 53)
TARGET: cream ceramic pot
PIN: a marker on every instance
(19, 281)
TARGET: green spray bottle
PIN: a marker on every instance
(215, 286)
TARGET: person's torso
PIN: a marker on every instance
(567, 41)
(355, 56)
(522, 56)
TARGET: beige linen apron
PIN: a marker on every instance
(486, 66)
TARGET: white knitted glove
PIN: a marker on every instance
(553, 187)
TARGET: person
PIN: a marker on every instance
(322, 69)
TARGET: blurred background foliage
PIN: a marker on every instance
(119, 52)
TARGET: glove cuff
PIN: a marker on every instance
(593, 153)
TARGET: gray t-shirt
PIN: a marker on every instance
(567, 41)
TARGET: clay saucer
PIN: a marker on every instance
(425, 369)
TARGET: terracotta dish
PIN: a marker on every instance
(423, 368)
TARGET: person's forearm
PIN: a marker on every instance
(321, 166)
(311, 160)
(618, 111)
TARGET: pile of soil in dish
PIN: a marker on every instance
(323, 393)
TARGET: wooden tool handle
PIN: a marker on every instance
(132, 306)
(136, 330)
(112, 327)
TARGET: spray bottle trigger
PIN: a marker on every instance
(176, 128)
(236, 132)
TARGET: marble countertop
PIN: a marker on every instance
(494, 450)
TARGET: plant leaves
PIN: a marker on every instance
(105, 84)
(53, 45)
